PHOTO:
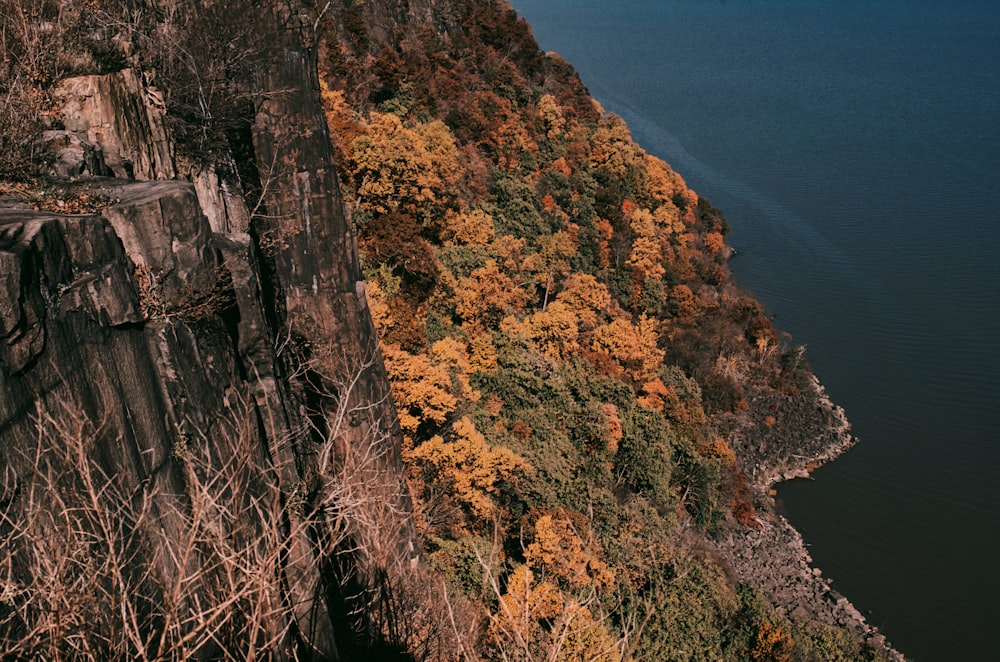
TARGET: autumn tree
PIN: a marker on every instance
(632, 346)
(395, 239)
(466, 468)
(487, 296)
(668, 187)
(551, 262)
(613, 147)
(587, 297)
(553, 331)
(401, 168)
(422, 388)
(550, 112)
(468, 227)
(683, 303)
(559, 553)
(772, 644)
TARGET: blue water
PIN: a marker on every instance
(855, 148)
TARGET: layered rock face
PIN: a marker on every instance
(217, 433)
(125, 117)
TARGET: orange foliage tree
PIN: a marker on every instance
(399, 168)
(587, 297)
(467, 468)
(632, 346)
(487, 296)
(421, 386)
(559, 553)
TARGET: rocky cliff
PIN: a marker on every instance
(226, 429)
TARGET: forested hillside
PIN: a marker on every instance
(585, 399)
(566, 347)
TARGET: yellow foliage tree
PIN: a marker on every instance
(632, 346)
(668, 220)
(642, 221)
(613, 147)
(428, 386)
(579, 637)
(482, 353)
(715, 243)
(718, 448)
(654, 394)
(560, 553)
(553, 331)
(406, 169)
(515, 626)
(512, 140)
(535, 620)
(468, 227)
(551, 261)
(509, 252)
(646, 258)
(551, 114)
(469, 467)
(340, 118)
(526, 599)
(455, 355)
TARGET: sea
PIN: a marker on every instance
(854, 147)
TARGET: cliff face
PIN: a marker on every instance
(125, 373)
(225, 431)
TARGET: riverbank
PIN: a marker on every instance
(788, 436)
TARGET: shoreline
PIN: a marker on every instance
(774, 557)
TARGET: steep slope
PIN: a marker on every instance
(547, 289)
(578, 413)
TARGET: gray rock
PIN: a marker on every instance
(124, 117)
(221, 198)
(68, 155)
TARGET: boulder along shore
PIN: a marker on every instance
(783, 438)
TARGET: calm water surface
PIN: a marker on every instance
(855, 148)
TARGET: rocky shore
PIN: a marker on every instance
(789, 438)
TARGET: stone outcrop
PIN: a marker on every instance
(787, 435)
(115, 125)
(322, 306)
(774, 558)
(157, 324)
(150, 361)
(122, 115)
(221, 198)
(67, 155)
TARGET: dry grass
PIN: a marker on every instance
(94, 566)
